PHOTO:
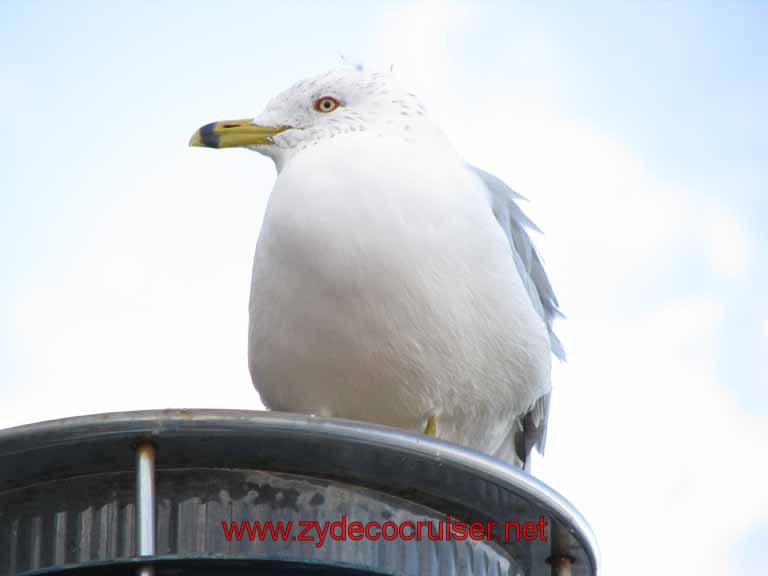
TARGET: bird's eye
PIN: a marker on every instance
(327, 104)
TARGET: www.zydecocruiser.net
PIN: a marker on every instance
(340, 530)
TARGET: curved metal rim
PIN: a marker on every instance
(155, 423)
(238, 565)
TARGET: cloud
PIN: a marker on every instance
(728, 245)
(412, 40)
(648, 443)
(148, 307)
(643, 435)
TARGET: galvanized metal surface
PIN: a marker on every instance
(68, 487)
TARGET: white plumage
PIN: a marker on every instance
(392, 282)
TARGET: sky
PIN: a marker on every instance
(637, 131)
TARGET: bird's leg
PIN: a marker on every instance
(431, 428)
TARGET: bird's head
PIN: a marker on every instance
(337, 102)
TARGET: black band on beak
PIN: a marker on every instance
(208, 136)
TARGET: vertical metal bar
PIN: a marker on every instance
(561, 566)
(145, 571)
(560, 561)
(145, 504)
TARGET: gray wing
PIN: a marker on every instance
(532, 429)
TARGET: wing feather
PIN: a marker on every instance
(532, 426)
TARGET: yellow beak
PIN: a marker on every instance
(231, 133)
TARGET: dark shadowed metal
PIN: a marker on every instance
(69, 491)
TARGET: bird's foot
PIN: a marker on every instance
(431, 428)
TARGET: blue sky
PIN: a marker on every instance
(637, 130)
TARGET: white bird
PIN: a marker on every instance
(392, 282)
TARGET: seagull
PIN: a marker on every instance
(393, 282)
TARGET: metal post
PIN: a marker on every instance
(145, 504)
(561, 566)
(560, 561)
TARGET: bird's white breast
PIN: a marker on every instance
(384, 290)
